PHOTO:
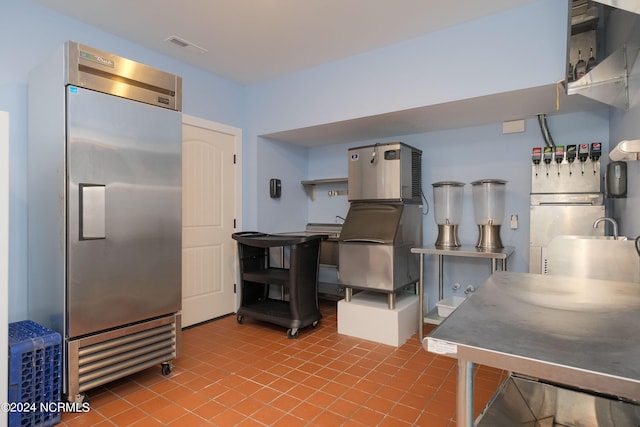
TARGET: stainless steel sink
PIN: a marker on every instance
(596, 257)
(329, 247)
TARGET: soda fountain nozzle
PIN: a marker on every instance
(547, 156)
(570, 155)
(594, 153)
(559, 156)
(536, 155)
(583, 154)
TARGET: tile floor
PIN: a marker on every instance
(252, 375)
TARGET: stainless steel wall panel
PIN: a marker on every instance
(549, 221)
(566, 178)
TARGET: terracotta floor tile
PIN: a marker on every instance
(154, 404)
(266, 394)
(192, 401)
(306, 411)
(253, 375)
(405, 413)
(343, 407)
(114, 408)
(326, 418)
(248, 406)
(285, 402)
(228, 417)
(301, 392)
(128, 417)
(379, 404)
(267, 415)
(288, 420)
(434, 420)
(209, 410)
(88, 419)
(169, 413)
(369, 417)
(189, 420)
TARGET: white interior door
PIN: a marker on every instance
(210, 194)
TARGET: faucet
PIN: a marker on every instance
(613, 223)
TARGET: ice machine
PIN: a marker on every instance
(384, 220)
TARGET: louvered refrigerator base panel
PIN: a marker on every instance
(108, 356)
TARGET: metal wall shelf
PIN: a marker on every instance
(310, 186)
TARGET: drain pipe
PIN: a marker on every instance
(542, 121)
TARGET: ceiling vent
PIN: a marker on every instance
(186, 45)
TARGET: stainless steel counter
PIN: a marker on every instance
(574, 331)
(468, 251)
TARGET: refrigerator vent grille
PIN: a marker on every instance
(416, 175)
(118, 357)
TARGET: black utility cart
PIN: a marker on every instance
(298, 305)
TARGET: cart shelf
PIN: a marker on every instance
(276, 276)
(299, 282)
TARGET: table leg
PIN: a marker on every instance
(494, 265)
(464, 398)
(440, 277)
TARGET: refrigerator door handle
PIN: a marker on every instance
(92, 211)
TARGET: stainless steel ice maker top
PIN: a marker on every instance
(389, 172)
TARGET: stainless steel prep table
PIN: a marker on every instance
(574, 331)
(468, 251)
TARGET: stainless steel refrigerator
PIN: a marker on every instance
(105, 211)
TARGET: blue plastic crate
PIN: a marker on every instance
(35, 373)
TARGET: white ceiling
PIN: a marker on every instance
(249, 41)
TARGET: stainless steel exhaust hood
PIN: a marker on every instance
(615, 80)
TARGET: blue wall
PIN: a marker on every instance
(505, 52)
(467, 155)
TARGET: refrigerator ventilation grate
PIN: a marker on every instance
(115, 358)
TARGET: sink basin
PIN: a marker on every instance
(596, 257)
(329, 247)
(595, 237)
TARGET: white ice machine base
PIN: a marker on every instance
(367, 316)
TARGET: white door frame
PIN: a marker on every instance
(4, 259)
(237, 134)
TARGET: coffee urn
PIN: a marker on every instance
(488, 208)
(447, 203)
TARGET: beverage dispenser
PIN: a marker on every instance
(488, 208)
(447, 203)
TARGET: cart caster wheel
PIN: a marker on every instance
(166, 369)
(240, 319)
(315, 324)
(292, 333)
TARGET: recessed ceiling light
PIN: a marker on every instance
(186, 45)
